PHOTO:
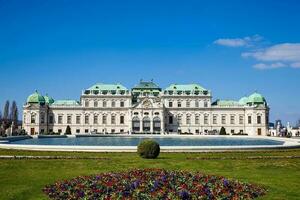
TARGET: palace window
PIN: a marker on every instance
(42, 118)
(122, 104)
(86, 119)
(259, 119)
(77, 130)
(60, 119)
(197, 119)
(196, 104)
(179, 104)
(104, 104)
(223, 119)
(241, 119)
(179, 120)
(232, 119)
(113, 104)
(215, 117)
(69, 119)
(146, 124)
(78, 119)
(32, 119)
(136, 124)
(205, 104)
(95, 119)
(24, 118)
(104, 119)
(113, 119)
(51, 119)
(188, 119)
(249, 120)
(170, 119)
(87, 103)
(156, 124)
(205, 119)
(121, 119)
(170, 104)
(188, 104)
(95, 103)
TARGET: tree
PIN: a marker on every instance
(68, 130)
(14, 114)
(6, 111)
(222, 131)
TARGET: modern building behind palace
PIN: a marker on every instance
(146, 108)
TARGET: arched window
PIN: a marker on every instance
(156, 124)
(32, 119)
(136, 124)
(188, 119)
(146, 124)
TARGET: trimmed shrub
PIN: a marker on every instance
(222, 131)
(148, 149)
(68, 130)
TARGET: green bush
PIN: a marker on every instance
(223, 131)
(148, 149)
(68, 130)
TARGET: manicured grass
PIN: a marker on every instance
(24, 179)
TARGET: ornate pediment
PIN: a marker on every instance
(149, 103)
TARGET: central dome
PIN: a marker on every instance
(256, 98)
(36, 98)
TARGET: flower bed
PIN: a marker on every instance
(152, 184)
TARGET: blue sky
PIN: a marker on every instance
(230, 47)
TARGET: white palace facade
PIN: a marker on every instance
(146, 108)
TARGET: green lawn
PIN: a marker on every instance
(24, 179)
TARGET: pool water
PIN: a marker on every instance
(163, 141)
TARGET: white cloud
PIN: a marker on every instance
(238, 42)
(280, 55)
(263, 66)
(231, 42)
(271, 57)
(288, 52)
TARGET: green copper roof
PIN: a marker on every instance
(243, 100)
(144, 85)
(226, 103)
(48, 100)
(108, 87)
(66, 103)
(36, 98)
(256, 98)
(185, 87)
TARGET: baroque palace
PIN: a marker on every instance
(146, 108)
